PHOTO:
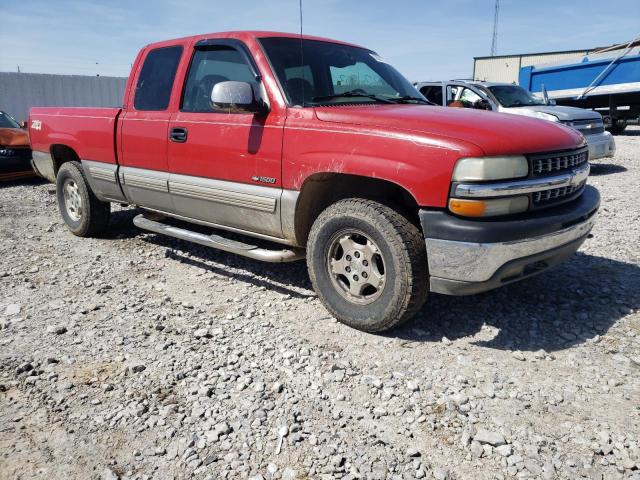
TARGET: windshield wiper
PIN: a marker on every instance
(352, 93)
(409, 98)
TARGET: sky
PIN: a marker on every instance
(424, 39)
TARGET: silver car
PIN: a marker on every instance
(509, 98)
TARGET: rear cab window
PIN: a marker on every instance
(153, 89)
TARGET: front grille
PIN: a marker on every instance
(557, 162)
(587, 127)
(556, 195)
(591, 131)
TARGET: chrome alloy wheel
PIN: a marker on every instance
(72, 200)
(356, 266)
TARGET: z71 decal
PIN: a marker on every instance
(36, 125)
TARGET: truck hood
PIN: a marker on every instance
(13, 137)
(563, 113)
(494, 133)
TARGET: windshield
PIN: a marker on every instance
(327, 73)
(7, 122)
(514, 96)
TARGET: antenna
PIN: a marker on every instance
(494, 37)
(301, 54)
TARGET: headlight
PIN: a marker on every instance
(489, 208)
(545, 116)
(490, 168)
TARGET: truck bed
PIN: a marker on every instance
(90, 132)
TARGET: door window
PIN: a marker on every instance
(433, 93)
(155, 82)
(469, 98)
(452, 93)
(208, 68)
(459, 96)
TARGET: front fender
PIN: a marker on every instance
(423, 170)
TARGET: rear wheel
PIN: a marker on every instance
(368, 264)
(81, 210)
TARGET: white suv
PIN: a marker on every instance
(509, 98)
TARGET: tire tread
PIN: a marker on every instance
(97, 211)
(403, 236)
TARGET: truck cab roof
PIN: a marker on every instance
(246, 34)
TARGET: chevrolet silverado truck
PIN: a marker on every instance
(513, 99)
(324, 150)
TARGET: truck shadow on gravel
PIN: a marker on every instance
(287, 279)
(34, 181)
(566, 306)
(598, 169)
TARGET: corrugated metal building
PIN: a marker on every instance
(505, 68)
(21, 91)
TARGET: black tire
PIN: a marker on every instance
(617, 127)
(401, 249)
(84, 214)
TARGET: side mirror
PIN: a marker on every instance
(237, 96)
(24, 125)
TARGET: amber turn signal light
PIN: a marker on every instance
(492, 207)
(467, 208)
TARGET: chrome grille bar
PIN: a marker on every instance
(522, 187)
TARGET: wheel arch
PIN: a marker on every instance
(62, 153)
(320, 190)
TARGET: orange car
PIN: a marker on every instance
(15, 151)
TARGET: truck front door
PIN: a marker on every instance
(225, 165)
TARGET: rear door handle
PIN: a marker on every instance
(178, 134)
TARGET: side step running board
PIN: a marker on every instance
(221, 243)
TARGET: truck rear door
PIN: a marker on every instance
(144, 129)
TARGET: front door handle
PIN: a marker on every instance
(178, 134)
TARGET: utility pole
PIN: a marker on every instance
(494, 37)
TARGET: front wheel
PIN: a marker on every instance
(81, 210)
(368, 264)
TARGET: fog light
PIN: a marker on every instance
(489, 208)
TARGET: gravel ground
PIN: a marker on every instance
(137, 356)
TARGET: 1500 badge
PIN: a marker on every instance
(255, 178)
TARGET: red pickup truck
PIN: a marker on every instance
(322, 147)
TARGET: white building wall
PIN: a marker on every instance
(497, 69)
(506, 69)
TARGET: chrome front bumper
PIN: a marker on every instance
(601, 145)
(467, 257)
(477, 264)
